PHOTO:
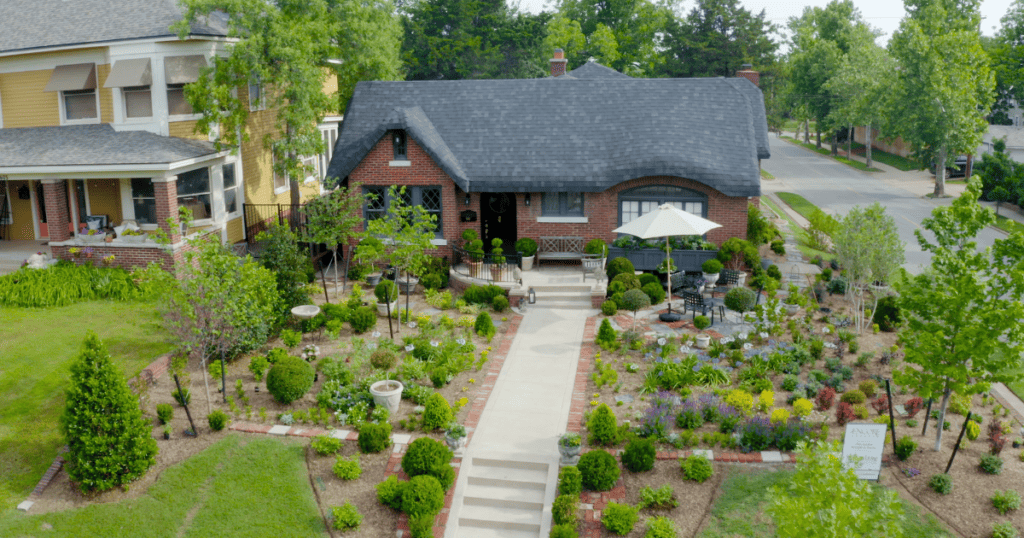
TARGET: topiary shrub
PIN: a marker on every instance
(383, 359)
(564, 509)
(603, 426)
(429, 456)
(109, 443)
(289, 379)
(388, 287)
(648, 278)
(905, 447)
(628, 281)
(363, 319)
(619, 518)
(164, 412)
(941, 483)
(853, 397)
(217, 420)
(570, 482)
(654, 291)
(639, 455)
(423, 495)
(973, 430)
(437, 413)
(609, 308)
(740, 299)
(696, 468)
(618, 266)
(596, 247)
(500, 303)
(598, 470)
(484, 326)
(374, 437)
(868, 387)
(389, 492)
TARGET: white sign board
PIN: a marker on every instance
(866, 442)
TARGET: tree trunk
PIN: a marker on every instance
(849, 142)
(834, 144)
(817, 131)
(867, 144)
(942, 418)
(807, 131)
(940, 173)
(206, 381)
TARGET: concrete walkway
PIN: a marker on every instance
(509, 471)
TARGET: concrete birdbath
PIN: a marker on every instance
(306, 311)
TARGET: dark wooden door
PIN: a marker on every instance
(498, 219)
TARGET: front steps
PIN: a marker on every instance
(506, 499)
(568, 296)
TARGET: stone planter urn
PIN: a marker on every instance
(373, 279)
(703, 341)
(569, 447)
(455, 443)
(408, 285)
(387, 394)
(711, 278)
(792, 309)
(528, 262)
(382, 308)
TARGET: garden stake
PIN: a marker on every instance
(387, 302)
(957, 445)
(185, 405)
(927, 415)
(892, 420)
(223, 378)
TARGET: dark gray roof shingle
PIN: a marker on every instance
(556, 134)
(595, 70)
(89, 145)
(37, 24)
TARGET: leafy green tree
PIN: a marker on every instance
(715, 39)
(824, 499)
(963, 314)
(944, 87)
(283, 45)
(861, 83)
(332, 218)
(109, 443)
(622, 34)
(868, 246)
(290, 263)
(997, 169)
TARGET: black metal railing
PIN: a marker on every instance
(258, 217)
(487, 266)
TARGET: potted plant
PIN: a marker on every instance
(569, 446)
(386, 393)
(474, 247)
(368, 252)
(455, 436)
(703, 338)
(528, 250)
(711, 269)
(794, 301)
(387, 293)
(133, 236)
(75, 252)
(94, 236)
(167, 432)
(497, 259)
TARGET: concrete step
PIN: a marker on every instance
(505, 490)
(495, 517)
(488, 532)
(517, 471)
(578, 288)
(564, 305)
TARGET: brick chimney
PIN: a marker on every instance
(749, 74)
(558, 63)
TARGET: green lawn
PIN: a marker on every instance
(738, 511)
(238, 487)
(1008, 225)
(798, 203)
(37, 346)
(828, 153)
(895, 161)
(798, 232)
(766, 174)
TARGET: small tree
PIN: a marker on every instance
(963, 314)
(808, 506)
(109, 443)
(289, 262)
(331, 219)
(868, 246)
(635, 300)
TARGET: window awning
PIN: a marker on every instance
(129, 73)
(72, 77)
(183, 69)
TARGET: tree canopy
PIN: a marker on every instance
(715, 39)
(622, 34)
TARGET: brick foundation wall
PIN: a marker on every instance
(124, 257)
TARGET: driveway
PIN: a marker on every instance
(836, 187)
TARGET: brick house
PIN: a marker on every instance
(94, 127)
(574, 154)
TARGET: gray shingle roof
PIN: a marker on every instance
(78, 145)
(595, 70)
(558, 134)
(35, 24)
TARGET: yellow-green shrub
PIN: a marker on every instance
(766, 401)
(741, 400)
(779, 416)
(802, 407)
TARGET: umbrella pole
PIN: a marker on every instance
(668, 316)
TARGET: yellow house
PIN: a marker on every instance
(96, 135)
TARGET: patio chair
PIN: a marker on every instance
(695, 301)
(727, 280)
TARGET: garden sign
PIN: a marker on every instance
(866, 442)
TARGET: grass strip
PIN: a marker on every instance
(766, 174)
(891, 159)
(828, 153)
(798, 232)
(37, 346)
(1008, 225)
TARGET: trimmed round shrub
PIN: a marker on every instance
(563, 510)
(374, 437)
(616, 287)
(500, 303)
(603, 426)
(437, 413)
(484, 325)
(696, 468)
(701, 322)
(565, 530)
(639, 455)
(618, 266)
(217, 420)
(646, 279)
(389, 492)
(289, 379)
(570, 482)
(596, 247)
(363, 319)
(386, 286)
(634, 300)
(609, 308)
(619, 518)
(905, 447)
(423, 495)
(868, 387)
(941, 483)
(598, 470)
(711, 266)
(654, 291)
(383, 358)
(740, 299)
(973, 430)
(422, 526)
(429, 456)
(629, 280)
(619, 299)
(526, 246)
(164, 412)
(853, 397)
(776, 273)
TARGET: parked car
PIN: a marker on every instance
(959, 168)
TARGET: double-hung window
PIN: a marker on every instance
(429, 198)
(144, 200)
(179, 71)
(77, 86)
(232, 189)
(194, 192)
(634, 203)
(134, 78)
(562, 204)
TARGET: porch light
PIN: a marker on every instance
(526, 199)
(467, 198)
(533, 296)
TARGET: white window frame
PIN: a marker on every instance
(273, 170)
(209, 192)
(178, 117)
(124, 103)
(329, 134)
(62, 105)
(240, 192)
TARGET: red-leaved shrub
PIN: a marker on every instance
(913, 406)
(825, 398)
(844, 413)
(881, 404)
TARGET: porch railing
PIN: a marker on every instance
(487, 266)
(258, 217)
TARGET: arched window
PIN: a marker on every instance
(639, 201)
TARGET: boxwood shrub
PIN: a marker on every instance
(289, 379)
(598, 470)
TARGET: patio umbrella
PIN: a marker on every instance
(667, 221)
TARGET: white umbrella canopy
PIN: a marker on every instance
(667, 221)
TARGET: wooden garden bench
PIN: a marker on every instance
(560, 248)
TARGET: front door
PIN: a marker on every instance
(498, 219)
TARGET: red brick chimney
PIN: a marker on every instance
(558, 63)
(749, 74)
